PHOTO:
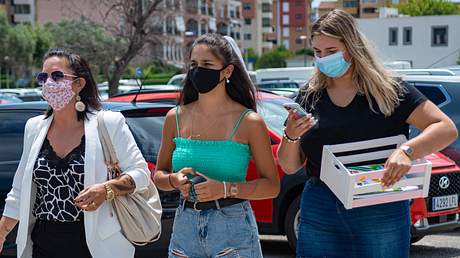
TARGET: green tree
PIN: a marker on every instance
(274, 58)
(428, 7)
(44, 40)
(89, 40)
(458, 62)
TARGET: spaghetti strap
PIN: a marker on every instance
(237, 125)
(177, 122)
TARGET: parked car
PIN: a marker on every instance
(444, 91)
(280, 216)
(28, 94)
(453, 68)
(433, 72)
(6, 98)
(401, 64)
(177, 79)
(300, 75)
(285, 88)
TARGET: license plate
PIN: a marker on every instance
(445, 202)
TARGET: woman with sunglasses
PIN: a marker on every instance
(60, 188)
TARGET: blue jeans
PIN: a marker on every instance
(327, 229)
(227, 232)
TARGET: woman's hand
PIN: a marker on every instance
(397, 165)
(210, 190)
(91, 198)
(180, 181)
(295, 128)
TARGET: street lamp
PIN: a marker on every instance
(304, 38)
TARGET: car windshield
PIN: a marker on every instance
(147, 131)
(277, 85)
(273, 112)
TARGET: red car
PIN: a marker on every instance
(279, 216)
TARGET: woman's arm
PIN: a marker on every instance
(164, 178)
(132, 164)
(437, 132)
(290, 156)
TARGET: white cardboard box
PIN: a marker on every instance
(344, 185)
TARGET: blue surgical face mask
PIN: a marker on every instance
(333, 65)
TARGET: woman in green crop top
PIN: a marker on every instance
(212, 135)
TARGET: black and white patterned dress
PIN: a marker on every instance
(59, 181)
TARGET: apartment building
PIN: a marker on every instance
(258, 25)
(292, 23)
(19, 11)
(357, 8)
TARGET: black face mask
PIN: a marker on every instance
(205, 80)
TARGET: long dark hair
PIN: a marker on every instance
(240, 89)
(89, 94)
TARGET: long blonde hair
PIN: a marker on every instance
(370, 76)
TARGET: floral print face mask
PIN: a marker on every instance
(58, 94)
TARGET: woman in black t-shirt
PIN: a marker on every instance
(352, 97)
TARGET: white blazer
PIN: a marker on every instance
(102, 230)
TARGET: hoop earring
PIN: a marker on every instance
(80, 106)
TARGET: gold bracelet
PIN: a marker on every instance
(110, 195)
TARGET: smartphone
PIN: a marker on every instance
(197, 179)
(298, 110)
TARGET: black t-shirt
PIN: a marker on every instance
(355, 122)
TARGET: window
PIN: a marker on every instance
(369, 1)
(370, 10)
(286, 32)
(286, 7)
(247, 36)
(22, 9)
(266, 22)
(298, 41)
(266, 8)
(393, 36)
(247, 6)
(238, 36)
(407, 36)
(298, 16)
(247, 21)
(286, 43)
(350, 3)
(299, 29)
(439, 36)
(232, 13)
(2, 1)
(285, 19)
(436, 93)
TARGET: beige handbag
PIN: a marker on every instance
(139, 214)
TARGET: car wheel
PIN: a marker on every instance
(291, 224)
(414, 240)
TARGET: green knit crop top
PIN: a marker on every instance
(221, 160)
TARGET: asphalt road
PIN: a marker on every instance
(435, 246)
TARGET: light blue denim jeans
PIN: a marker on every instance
(227, 232)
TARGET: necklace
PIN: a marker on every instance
(198, 136)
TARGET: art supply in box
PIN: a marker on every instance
(366, 168)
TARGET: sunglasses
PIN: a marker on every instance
(55, 76)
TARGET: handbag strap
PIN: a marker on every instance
(110, 156)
